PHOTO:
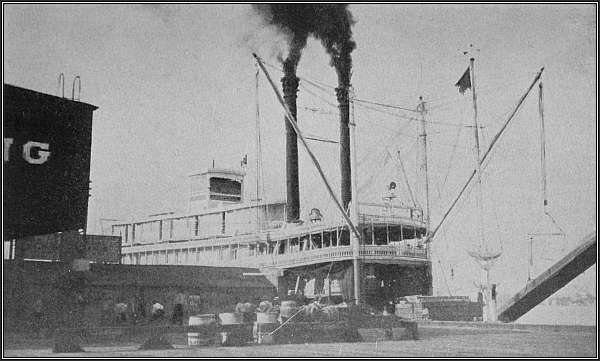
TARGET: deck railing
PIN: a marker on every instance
(345, 252)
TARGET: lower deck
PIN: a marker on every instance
(333, 282)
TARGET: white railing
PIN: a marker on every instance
(310, 256)
(345, 252)
(186, 255)
(393, 251)
(377, 211)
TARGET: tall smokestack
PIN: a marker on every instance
(330, 23)
(290, 88)
(346, 184)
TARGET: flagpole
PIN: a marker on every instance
(486, 154)
(479, 194)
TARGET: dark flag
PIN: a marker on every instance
(464, 82)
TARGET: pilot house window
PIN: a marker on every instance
(222, 189)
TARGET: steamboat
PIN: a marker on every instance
(382, 244)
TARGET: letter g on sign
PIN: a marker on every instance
(43, 152)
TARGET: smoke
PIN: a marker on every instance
(330, 23)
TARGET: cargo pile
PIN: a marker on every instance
(291, 323)
(411, 307)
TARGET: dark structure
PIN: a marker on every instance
(68, 246)
(345, 168)
(290, 88)
(79, 298)
(46, 168)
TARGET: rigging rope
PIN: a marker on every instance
(318, 97)
(405, 176)
(494, 140)
(386, 105)
(444, 277)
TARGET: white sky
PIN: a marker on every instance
(175, 89)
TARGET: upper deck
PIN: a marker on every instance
(257, 236)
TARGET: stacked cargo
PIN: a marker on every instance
(410, 307)
(451, 308)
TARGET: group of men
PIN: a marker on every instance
(157, 312)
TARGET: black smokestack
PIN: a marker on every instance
(335, 32)
(290, 19)
(290, 88)
(330, 23)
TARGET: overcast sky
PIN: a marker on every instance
(175, 89)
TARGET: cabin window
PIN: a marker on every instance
(381, 235)
(304, 244)
(294, 245)
(326, 239)
(344, 237)
(395, 234)
(317, 240)
(196, 225)
(160, 230)
(365, 234)
(409, 233)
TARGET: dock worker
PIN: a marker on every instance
(121, 311)
(177, 318)
(37, 316)
(158, 310)
(264, 306)
(389, 196)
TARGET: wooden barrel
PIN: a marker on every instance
(231, 318)
(288, 308)
(198, 338)
(267, 317)
(262, 332)
(331, 313)
(404, 310)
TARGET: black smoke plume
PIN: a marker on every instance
(330, 23)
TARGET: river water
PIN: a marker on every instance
(560, 315)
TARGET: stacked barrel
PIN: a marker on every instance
(202, 331)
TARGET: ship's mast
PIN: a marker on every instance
(484, 256)
(477, 153)
(424, 174)
(258, 151)
(485, 155)
(354, 215)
